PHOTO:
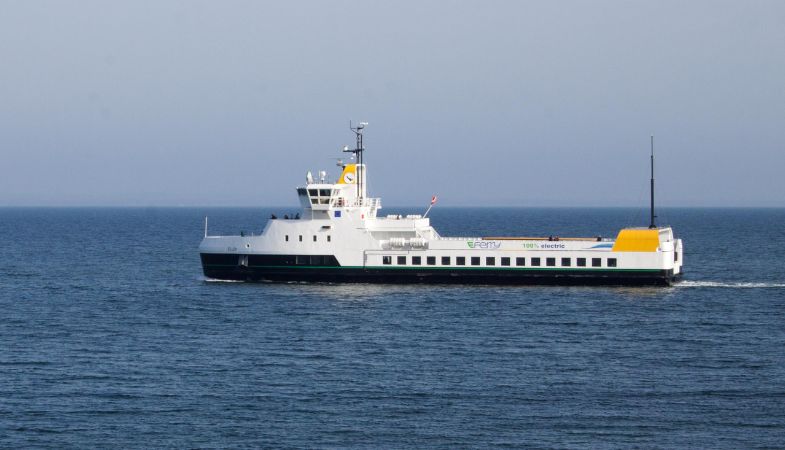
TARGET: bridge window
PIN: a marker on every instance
(386, 260)
(611, 262)
(416, 260)
(320, 196)
(550, 262)
(565, 262)
(535, 261)
(401, 260)
(445, 260)
(505, 261)
(596, 262)
(490, 261)
(460, 260)
(581, 262)
(520, 261)
(475, 260)
(431, 260)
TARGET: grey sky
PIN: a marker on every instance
(484, 103)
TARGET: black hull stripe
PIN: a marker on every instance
(454, 268)
(327, 268)
(359, 275)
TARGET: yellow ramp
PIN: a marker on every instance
(637, 240)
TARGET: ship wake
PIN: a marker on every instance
(724, 284)
(215, 280)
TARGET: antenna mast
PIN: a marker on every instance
(358, 153)
(652, 224)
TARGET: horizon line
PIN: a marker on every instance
(395, 206)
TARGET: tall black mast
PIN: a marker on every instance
(652, 224)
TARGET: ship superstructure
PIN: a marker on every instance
(339, 236)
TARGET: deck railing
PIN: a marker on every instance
(369, 202)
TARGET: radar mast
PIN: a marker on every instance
(358, 153)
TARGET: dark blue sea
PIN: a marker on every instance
(111, 337)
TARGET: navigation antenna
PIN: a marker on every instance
(358, 153)
(652, 224)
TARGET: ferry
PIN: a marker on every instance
(340, 236)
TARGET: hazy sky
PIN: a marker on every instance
(515, 103)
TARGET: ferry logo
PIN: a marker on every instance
(484, 244)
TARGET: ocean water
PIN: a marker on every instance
(111, 337)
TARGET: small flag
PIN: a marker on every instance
(433, 201)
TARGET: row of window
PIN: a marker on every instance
(213, 259)
(317, 192)
(503, 261)
(320, 192)
(329, 238)
(318, 196)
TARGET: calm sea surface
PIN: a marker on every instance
(111, 337)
